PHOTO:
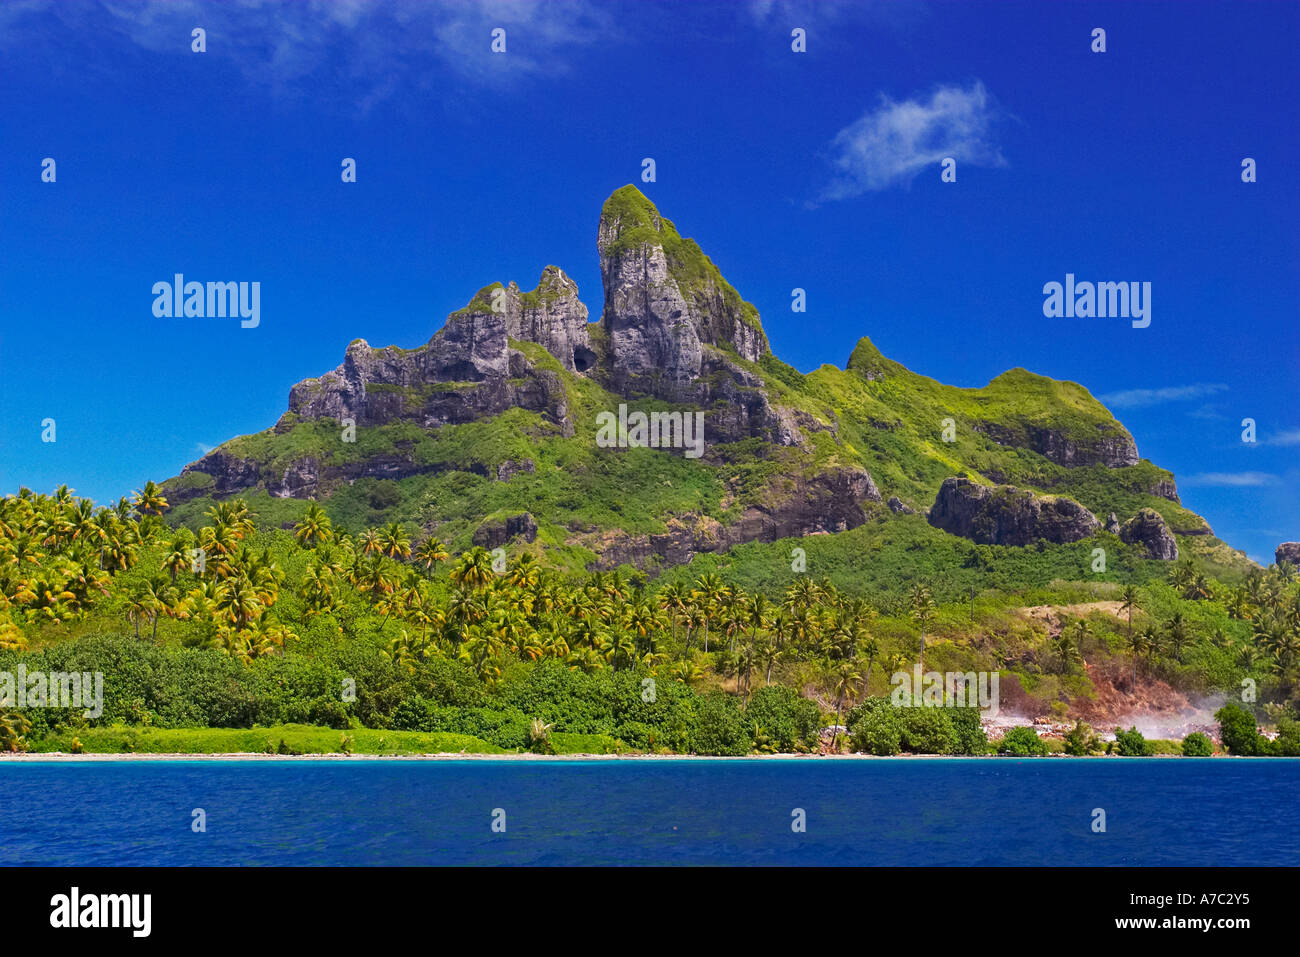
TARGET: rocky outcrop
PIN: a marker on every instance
(1166, 489)
(1148, 528)
(300, 480)
(229, 474)
(496, 532)
(829, 502)
(1112, 446)
(551, 316)
(510, 468)
(1287, 552)
(665, 301)
(898, 508)
(1112, 524)
(1006, 515)
(466, 371)
(677, 330)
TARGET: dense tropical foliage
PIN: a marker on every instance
(236, 625)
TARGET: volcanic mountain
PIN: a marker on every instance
(486, 434)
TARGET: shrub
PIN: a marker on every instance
(1237, 729)
(875, 727)
(1131, 743)
(927, 730)
(1197, 745)
(787, 718)
(970, 735)
(1288, 738)
(1080, 741)
(721, 727)
(570, 700)
(1022, 741)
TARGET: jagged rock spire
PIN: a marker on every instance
(664, 299)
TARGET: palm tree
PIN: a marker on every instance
(315, 527)
(870, 648)
(695, 617)
(1176, 631)
(474, 571)
(779, 629)
(394, 542)
(1197, 588)
(371, 543)
(922, 605)
(1067, 645)
(757, 614)
(675, 599)
(149, 500)
(13, 729)
(1139, 644)
(430, 552)
(1182, 574)
(178, 553)
(615, 645)
(1128, 601)
(525, 571)
(317, 590)
(709, 590)
(803, 594)
(1239, 606)
(847, 680)
(236, 598)
(137, 607)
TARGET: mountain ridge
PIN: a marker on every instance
(519, 376)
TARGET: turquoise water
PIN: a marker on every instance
(1213, 812)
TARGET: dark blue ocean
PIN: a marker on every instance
(1212, 812)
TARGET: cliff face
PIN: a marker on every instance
(665, 301)
(1005, 515)
(785, 454)
(1111, 447)
(468, 370)
(675, 327)
(1148, 529)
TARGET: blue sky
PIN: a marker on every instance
(816, 170)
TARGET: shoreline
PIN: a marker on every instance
(56, 757)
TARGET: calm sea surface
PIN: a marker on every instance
(1212, 812)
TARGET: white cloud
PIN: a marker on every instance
(891, 144)
(1138, 398)
(1230, 479)
(370, 49)
(819, 15)
(1289, 437)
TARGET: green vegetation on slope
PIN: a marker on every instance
(367, 633)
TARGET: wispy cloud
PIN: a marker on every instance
(1231, 479)
(813, 14)
(1209, 412)
(1139, 398)
(370, 49)
(1288, 437)
(891, 144)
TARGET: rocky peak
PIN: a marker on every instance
(665, 301)
(467, 371)
(550, 315)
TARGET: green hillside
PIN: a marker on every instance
(438, 529)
